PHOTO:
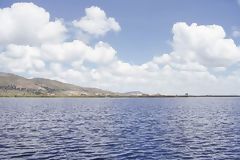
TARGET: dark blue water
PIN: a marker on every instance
(164, 128)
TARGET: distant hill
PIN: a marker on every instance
(14, 85)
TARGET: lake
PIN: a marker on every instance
(121, 128)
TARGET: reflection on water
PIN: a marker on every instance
(164, 128)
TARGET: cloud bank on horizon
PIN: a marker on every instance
(203, 59)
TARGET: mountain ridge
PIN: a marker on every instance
(15, 85)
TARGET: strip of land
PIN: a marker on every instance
(12, 85)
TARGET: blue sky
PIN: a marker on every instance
(146, 25)
(155, 46)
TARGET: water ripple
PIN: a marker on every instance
(174, 128)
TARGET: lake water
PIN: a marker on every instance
(107, 128)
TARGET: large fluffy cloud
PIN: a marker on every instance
(202, 61)
(28, 24)
(78, 51)
(96, 22)
(53, 57)
(20, 59)
(204, 46)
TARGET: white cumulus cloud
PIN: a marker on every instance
(202, 60)
(19, 59)
(78, 51)
(96, 22)
(26, 23)
(206, 45)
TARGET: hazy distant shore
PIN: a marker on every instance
(166, 96)
(12, 85)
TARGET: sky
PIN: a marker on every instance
(168, 47)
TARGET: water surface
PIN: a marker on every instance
(106, 128)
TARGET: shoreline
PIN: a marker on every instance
(168, 96)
